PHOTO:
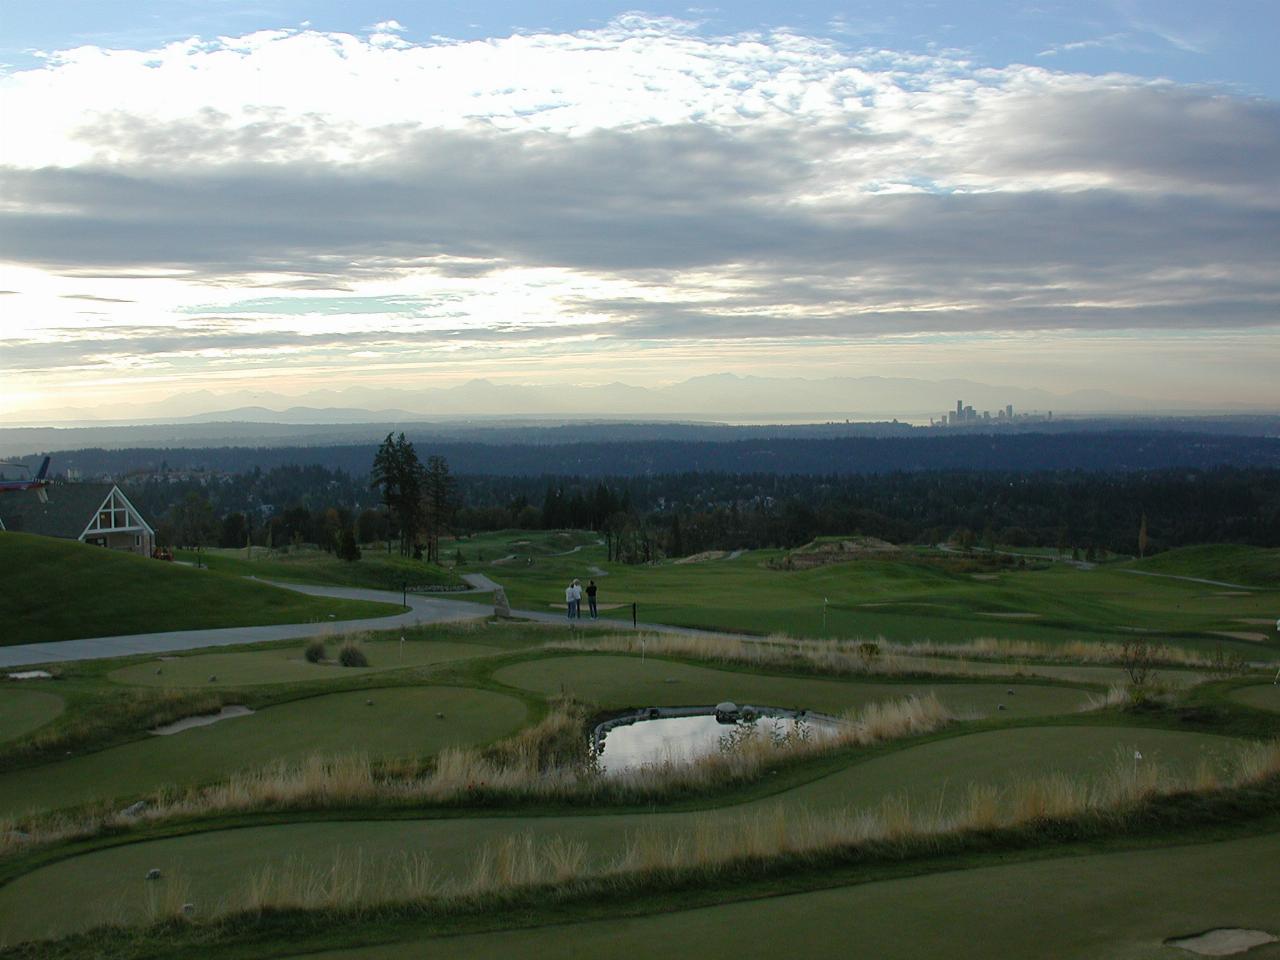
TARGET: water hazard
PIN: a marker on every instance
(660, 736)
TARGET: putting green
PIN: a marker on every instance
(1264, 696)
(287, 664)
(1121, 906)
(401, 722)
(22, 711)
(212, 866)
(616, 682)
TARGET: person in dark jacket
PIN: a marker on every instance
(591, 599)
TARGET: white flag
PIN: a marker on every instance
(1137, 755)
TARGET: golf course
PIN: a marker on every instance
(987, 757)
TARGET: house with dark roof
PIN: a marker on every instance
(96, 513)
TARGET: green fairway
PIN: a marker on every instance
(401, 722)
(914, 596)
(517, 546)
(22, 710)
(63, 590)
(1264, 696)
(615, 682)
(934, 776)
(1118, 906)
(287, 664)
(375, 569)
(1229, 562)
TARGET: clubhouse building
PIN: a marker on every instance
(96, 513)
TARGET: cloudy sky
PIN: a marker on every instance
(288, 196)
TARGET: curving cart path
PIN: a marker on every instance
(422, 610)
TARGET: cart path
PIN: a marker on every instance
(1174, 576)
(422, 611)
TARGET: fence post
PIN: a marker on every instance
(633, 615)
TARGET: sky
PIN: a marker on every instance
(285, 197)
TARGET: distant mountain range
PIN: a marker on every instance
(717, 396)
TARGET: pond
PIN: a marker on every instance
(663, 735)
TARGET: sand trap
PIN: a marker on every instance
(187, 723)
(704, 556)
(31, 675)
(1013, 616)
(1241, 635)
(902, 603)
(1223, 942)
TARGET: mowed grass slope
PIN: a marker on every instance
(1115, 905)
(917, 596)
(1228, 562)
(378, 723)
(63, 590)
(374, 570)
(212, 866)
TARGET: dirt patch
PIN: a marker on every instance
(985, 576)
(821, 553)
(1233, 593)
(1012, 616)
(1223, 942)
(704, 556)
(1256, 621)
(903, 603)
(188, 723)
(1241, 635)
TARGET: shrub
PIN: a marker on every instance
(315, 651)
(352, 656)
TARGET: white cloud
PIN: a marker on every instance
(637, 185)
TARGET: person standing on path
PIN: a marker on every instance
(591, 599)
(569, 602)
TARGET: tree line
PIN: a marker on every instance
(643, 518)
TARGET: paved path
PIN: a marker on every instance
(422, 610)
(1174, 576)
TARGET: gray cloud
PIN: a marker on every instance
(1183, 236)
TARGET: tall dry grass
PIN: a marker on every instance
(716, 843)
(856, 657)
(533, 766)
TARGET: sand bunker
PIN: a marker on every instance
(1241, 635)
(820, 553)
(31, 675)
(204, 720)
(704, 556)
(1223, 942)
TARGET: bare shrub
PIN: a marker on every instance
(315, 652)
(352, 655)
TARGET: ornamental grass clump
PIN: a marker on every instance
(857, 657)
(315, 652)
(352, 655)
